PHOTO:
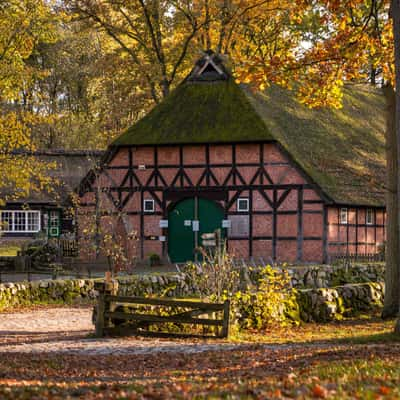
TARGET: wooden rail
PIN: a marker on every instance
(69, 248)
(357, 257)
(117, 315)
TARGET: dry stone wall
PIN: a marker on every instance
(323, 276)
(328, 304)
(315, 303)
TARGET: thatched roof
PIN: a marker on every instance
(341, 150)
(205, 108)
(71, 167)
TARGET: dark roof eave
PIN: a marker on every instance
(59, 152)
(256, 141)
(33, 202)
(354, 204)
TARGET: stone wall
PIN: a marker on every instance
(169, 285)
(327, 304)
(45, 292)
(323, 276)
(316, 304)
(66, 291)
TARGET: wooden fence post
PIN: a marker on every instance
(110, 289)
(103, 305)
(225, 325)
(28, 263)
(100, 287)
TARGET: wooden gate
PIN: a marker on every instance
(121, 315)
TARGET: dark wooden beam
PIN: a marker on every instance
(300, 224)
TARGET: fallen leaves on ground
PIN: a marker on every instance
(325, 368)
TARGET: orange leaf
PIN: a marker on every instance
(384, 390)
(319, 392)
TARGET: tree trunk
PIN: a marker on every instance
(392, 273)
(395, 11)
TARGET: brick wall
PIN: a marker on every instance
(286, 216)
(357, 236)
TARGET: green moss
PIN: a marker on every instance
(342, 150)
(199, 113)
(70, 296)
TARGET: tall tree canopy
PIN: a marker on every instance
(23, 24)
(347, 41)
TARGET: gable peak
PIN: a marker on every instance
(209, 67)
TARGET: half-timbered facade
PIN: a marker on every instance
(206, 159)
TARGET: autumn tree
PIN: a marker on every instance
(343, 42)
(23, 23)
(155, 35)
(84, 93)
(163, 37)
(104, 234)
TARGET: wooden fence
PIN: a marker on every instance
(68, 247)
(354, 257)
(117, 315)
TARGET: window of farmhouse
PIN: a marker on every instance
(370, 216)
(20, 221)
(343, 215)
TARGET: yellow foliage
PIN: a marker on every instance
(22, 24)
(343, 42)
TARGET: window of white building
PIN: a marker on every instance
(20, 221)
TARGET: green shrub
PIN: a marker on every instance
(43, 254)
(272, 301)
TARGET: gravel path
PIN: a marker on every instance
(67, 330)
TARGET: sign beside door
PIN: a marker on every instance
(196, 225)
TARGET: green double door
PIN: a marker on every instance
(187, 221)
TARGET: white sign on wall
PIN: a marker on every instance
(226, 223)
(196, 226)
(163, 223)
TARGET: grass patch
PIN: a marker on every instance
(360, 379)
(360, 329)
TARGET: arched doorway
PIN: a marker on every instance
(183, 237)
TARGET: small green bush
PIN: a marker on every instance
(272, 301)
(43, 254)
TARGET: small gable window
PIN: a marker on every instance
(370, 218)
(243, 204)
(148, 205)
(344, 214)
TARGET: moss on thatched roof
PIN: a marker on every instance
(342, 150)
(199, 113)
